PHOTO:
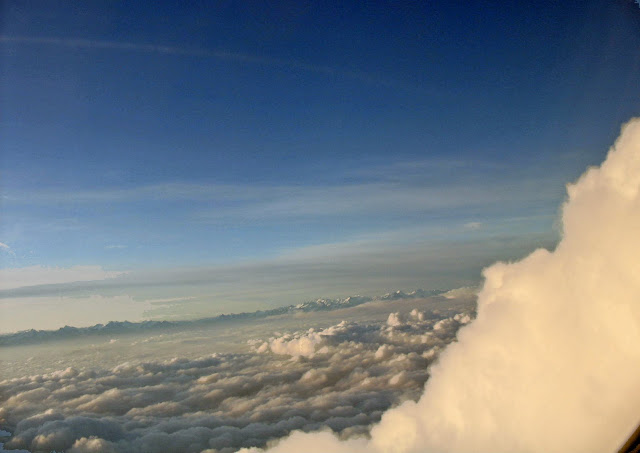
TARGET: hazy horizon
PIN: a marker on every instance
(231, 157)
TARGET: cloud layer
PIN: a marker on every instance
(342, 377)
(41, 275)
(91, 307)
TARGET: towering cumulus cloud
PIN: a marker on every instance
(552, 362)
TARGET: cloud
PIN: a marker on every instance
(90, 445)
(79, 43)
(11, 278)
(372, 264)
(295, 346)
(154, 192)
(358, 199)
(551, 363)
(222, 55)
(366, 266)
(80, 311)
(4, 248)
(394, 320)
(11, 451)
(57, 312)
(473, 225)
(235, 203)
(380, 195)
(223, 402)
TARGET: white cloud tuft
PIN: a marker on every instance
(295, 346)
(92, 445)
(394, 320)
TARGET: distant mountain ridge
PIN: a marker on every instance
(33, 336)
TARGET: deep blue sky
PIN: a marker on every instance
(138, 136)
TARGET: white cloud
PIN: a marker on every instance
(394, 320)
(92, 444)
(295, 346)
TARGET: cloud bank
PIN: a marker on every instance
(334, 270)
(126, 305)
(552, 361)
(12, 278)
(342, 377)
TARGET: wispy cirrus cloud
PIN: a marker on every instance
(171, 191)
(42, 275)
(361, 265)
(227, 202)
(218, 54)
(80, 43)
(5, 249)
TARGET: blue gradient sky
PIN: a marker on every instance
(194, 135)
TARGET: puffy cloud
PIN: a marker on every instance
(91, 445)
(552, 361)
(417, 314)
(394, 320)
(300, 345)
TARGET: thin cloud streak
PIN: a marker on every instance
(4, 248)
(344, 268)
(235, 57)
(244, 203)
(152, 192)
(41, 275)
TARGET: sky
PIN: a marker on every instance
(193, 158)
